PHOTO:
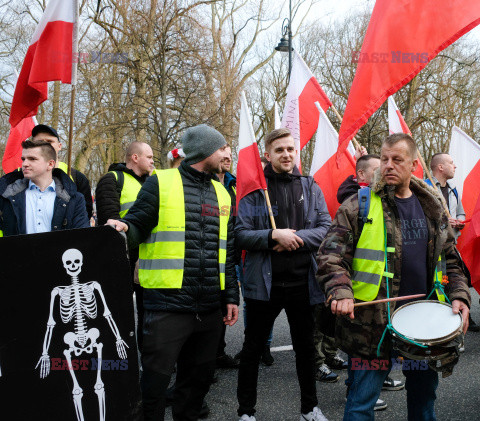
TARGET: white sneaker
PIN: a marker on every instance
(246, 417)
(315, 415)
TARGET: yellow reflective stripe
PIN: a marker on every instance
(1, 233)
(64, 167)
(224, 203)
(369, 254)
(390, 249)
(365, 277)
(161, 264)
(388, 275)
(126, 206)
(158, 236)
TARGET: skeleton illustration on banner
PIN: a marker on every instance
(77, 303)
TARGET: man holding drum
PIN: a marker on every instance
(407, 224)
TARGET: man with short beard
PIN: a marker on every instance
(416, 237)
(182, 222)
(280, 270)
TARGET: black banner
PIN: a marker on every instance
(67, 334)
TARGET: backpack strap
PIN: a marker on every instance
(455, 192)
(363, 206)
(428, 182)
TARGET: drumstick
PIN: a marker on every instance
(387, 300)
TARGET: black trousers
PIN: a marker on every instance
(191, 341)
(260, 318)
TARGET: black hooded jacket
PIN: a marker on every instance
(348, 188)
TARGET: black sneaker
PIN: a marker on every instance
(337, 363)
(380, 405)
(472, 326)
(226, 361)
(390, 384)
(324, 374)
(205, 411)
(266, 357)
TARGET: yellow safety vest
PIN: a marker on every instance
(131, 187)
(64, 167)
(369, 258)
(162, 254)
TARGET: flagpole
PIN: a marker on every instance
(269, 207)
(340, 119)
(73, 90)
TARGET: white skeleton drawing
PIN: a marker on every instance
(78, 303)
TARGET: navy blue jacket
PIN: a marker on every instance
(252, 229)
(69, 209)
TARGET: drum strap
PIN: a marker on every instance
(389, 327)
(438, 286)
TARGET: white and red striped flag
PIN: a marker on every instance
(465, 153)
(396, 124)
(300, 115)
(324, 169)
(49, 57)
(250, 175)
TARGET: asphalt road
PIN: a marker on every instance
(458, 396)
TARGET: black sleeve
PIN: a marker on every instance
(83, 187)
(108, 201)
(142, 217)
(231, 295)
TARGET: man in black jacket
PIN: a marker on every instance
(50, 135)
(115, 194)
(187, 268)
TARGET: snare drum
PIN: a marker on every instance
(433, 325)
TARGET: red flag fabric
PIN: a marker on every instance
(324, 169)
(396, 124)
(250, 175)
(401, 38)
(300, 115)
(470, 246)
(49, 57)
(12, 158)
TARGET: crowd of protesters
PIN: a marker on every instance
(186, 262)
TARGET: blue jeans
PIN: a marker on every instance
(364, 388)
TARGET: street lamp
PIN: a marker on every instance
(285, 43)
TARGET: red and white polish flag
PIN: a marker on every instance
(12, 157)
(396, 124)
(465, 153)
(250, 174)
(49, 57)
(300, 115)
(325, 171)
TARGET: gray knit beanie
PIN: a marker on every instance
(200, 142)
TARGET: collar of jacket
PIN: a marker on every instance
(122, 166)
(198, 176)
(284, 176)
(429, 197)
(229, 180)
(21, 184)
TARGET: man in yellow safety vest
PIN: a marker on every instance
(403, 246)
(183, 224)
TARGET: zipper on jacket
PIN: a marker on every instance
(286, 204)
